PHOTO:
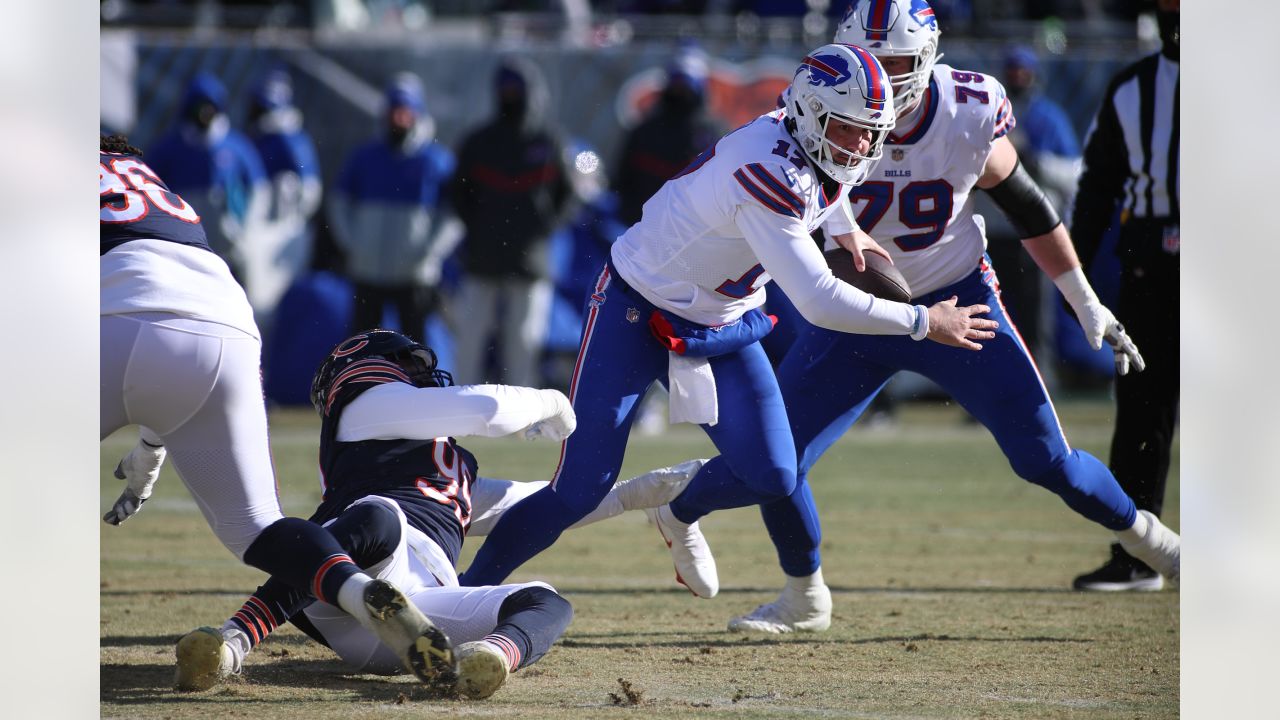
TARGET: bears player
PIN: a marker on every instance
(679, 302)
(400, 495)
(179, 358)
(951, 137)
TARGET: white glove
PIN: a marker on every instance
(559, 421)
(139, 469)
(1098, 322)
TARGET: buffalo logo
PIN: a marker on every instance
(923, 14)
(827, 70)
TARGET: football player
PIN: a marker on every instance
(679, 302)
(400, 495)
(951, 137)
(179, 358)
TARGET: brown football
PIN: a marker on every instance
(880, 278)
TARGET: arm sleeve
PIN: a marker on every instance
(790, 256)
(401, 411)
(1105, 170)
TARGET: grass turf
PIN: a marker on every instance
(949, 577)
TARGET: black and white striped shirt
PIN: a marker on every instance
(1131, 153)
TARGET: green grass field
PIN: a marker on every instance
(949, 576)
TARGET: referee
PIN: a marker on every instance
(1131, 164)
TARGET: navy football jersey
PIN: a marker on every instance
(135, 204)
(430, 479)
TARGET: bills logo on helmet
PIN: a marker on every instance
(923, 14)
(827, 70)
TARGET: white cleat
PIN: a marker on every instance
(695, 566)
(204, 660)
(423, 648)
(809, 611)
(1160, 548)
(482, 669)
(657, 487)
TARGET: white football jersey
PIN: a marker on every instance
(690, 253)
(916, 202)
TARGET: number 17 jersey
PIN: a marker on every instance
(917, 201)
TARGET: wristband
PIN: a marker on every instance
(920, 328)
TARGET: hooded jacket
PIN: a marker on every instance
(512, 189)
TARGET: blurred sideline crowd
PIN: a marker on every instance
(487, 250)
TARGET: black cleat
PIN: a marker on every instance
(1120, 574)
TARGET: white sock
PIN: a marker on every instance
(1136, 532)
(803, 585)
(351, 598)
(239, 643)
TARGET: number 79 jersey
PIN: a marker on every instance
(917, 202)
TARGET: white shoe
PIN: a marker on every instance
(657, 487)
(423, 648)
(482, 669)
(791, 612)
(1160, 548)
(204, 660)
(695, 566)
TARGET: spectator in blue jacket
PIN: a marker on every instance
(293, 171)
(388, 213)
(216, 169)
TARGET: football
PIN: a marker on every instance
(880, 278)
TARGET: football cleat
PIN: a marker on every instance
(793, 611)
(1160, 548)
(1120, 574)
(204, 660)
(695, 566)
(482, 669)
(423, 648)
(657, 487)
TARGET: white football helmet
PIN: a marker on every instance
(896, 28)
(845, 83)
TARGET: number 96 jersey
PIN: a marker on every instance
(916, 203)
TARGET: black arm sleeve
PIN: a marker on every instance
(1101, 187)
(1024, 203)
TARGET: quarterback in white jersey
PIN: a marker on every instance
(679, 303)
(950, 137)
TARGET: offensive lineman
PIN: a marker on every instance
(950, 138)
(690, 275)
(179, 358)
(400, 495)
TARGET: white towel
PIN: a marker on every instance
(692, 390)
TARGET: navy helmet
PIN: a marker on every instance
(416, 360)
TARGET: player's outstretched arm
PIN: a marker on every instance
(396, 411)
(1049, 244)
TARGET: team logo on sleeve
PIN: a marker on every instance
(827, 70)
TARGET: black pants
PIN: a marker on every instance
(413, 304)
(1147, 402)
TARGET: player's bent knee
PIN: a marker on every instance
(771, 482)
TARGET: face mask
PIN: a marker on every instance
(1168, 22)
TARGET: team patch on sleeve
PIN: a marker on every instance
(1004, 119)
(373, 371)
(771, 192)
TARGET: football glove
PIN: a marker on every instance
(139, 469)
(559, 421)
(1098, 322)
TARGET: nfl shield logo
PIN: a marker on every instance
(897, 154)
(633, 315)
